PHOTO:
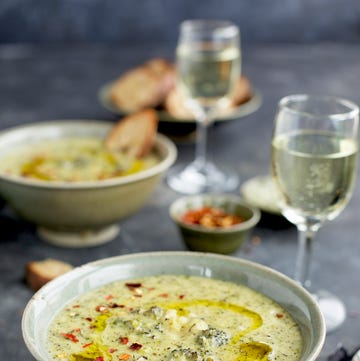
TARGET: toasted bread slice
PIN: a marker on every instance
(242, 92)
(134, 134)
(174, 102)
(144, 86)
(175, 105)
(38, 273)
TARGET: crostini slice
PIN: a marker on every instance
(134, 134)
(38, 273)
(144, 86)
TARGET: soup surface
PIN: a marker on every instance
(72, 160)
(174, 318)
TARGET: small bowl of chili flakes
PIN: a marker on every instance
(215, 223)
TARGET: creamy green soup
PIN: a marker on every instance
(72, 160)
(174, 318)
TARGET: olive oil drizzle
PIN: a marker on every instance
(249, 351)
(49, 167)
(255, 317)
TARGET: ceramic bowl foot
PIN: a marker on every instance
(85, 238)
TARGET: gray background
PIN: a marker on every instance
(156, 21)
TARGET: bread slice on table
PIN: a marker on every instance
(144, 86)
(134, 134)
(38, 273)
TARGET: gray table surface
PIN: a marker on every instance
(62, 82)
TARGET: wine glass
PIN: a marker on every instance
(208, 67)
(314, 161)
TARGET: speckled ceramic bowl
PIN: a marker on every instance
(218, 240)
(82, 213)
(47, 302)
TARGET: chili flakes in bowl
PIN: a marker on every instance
(211, 217)
(218, 223)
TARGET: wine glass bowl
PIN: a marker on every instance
(314, 159)
(208, 67)
(208, 63)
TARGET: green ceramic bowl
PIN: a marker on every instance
(53, 297)
(81, 213)
(217, 240)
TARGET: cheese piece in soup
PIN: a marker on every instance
(174, 318)
(72, 160)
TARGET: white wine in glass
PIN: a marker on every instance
(314, 161)
(208, 67)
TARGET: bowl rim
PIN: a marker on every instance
(160, 141)
(251, 222)
(89, 267)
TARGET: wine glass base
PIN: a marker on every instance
(193, 179)
(332, 308)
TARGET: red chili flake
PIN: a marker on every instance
(88, 319)
(99, 358)
(181, 297)
(76, 306)
(151, 288)
(76, 330)
(138, 296)
(87, 345)
(111, 350)
(210, 217)
(70, 336)
(256, 240)
(115, 305)
(123, 340)
(135, 346)
(132, 286)
(165, 295)
(101, 308)
(124, 356)
(109, 297)
(279, 315)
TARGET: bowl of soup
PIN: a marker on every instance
(57, 175)
(173, 306)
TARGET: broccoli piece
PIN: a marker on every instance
(154, 312)
(212, 338)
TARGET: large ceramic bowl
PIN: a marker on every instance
(80, 213)
(47, 302)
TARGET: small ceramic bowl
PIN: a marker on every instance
(220, 239)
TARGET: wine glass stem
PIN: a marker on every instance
(201, 141)
(304, 254)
